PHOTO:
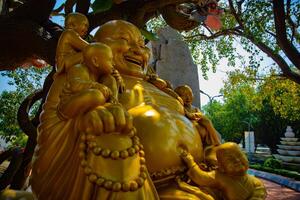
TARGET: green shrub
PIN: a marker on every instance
(273, 163)
(283, 172)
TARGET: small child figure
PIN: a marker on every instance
(230, 177)
(161, 84)
(89, 84)
(70, 44)
(209, 135)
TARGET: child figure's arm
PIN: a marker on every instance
(119, 80)
(199, 176)
(76, 41)
(78, 79)
(81, 92)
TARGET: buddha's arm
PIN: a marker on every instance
(201, 177)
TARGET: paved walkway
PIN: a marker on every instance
(277, 192)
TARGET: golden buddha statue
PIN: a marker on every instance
(125, 150)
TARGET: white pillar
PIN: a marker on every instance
(249, 142)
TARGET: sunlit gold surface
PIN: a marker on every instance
(129, 149)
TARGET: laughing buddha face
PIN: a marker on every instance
(231, 160)
(128, 48)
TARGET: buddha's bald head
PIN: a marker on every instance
(127, 44)
(114, 26)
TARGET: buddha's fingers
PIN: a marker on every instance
(107, 119)
(91, 123)
(129, 123)
(119, 116)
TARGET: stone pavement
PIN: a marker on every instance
(278, 192)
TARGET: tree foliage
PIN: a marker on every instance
(9, 128)
(271, 27)
(24, 81)
(235, 115)
(266, 106)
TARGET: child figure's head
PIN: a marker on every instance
(231, 160)
(99, 55)
(78, 22)
(186, 94)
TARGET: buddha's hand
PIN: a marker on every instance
(106, 119)
(188, 159)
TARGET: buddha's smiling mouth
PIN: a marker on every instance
(134, 60)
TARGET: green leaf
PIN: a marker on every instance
(101, 5)
(149, 35)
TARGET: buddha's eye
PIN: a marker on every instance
(125, 38)
(141, 44)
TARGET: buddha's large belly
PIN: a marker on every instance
(163, 133)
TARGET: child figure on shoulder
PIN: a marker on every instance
(70, 59)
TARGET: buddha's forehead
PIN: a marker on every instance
(120, 28)
(129, 30)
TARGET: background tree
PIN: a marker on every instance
(233, 117)
(268, 104)
(19, 119)
(9, 127)
(23, 82)
(271, 27)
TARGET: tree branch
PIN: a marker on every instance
(34, 10)
(271, 33)
(211, 98)
(288, 48)
(32, 40)
(83, 6)
(57, 11)
(129, 10)
(239, 4)
(69, 6)
(28, 27)
(285, 68)
(291, 22)
(233, 31)
(235, 14)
